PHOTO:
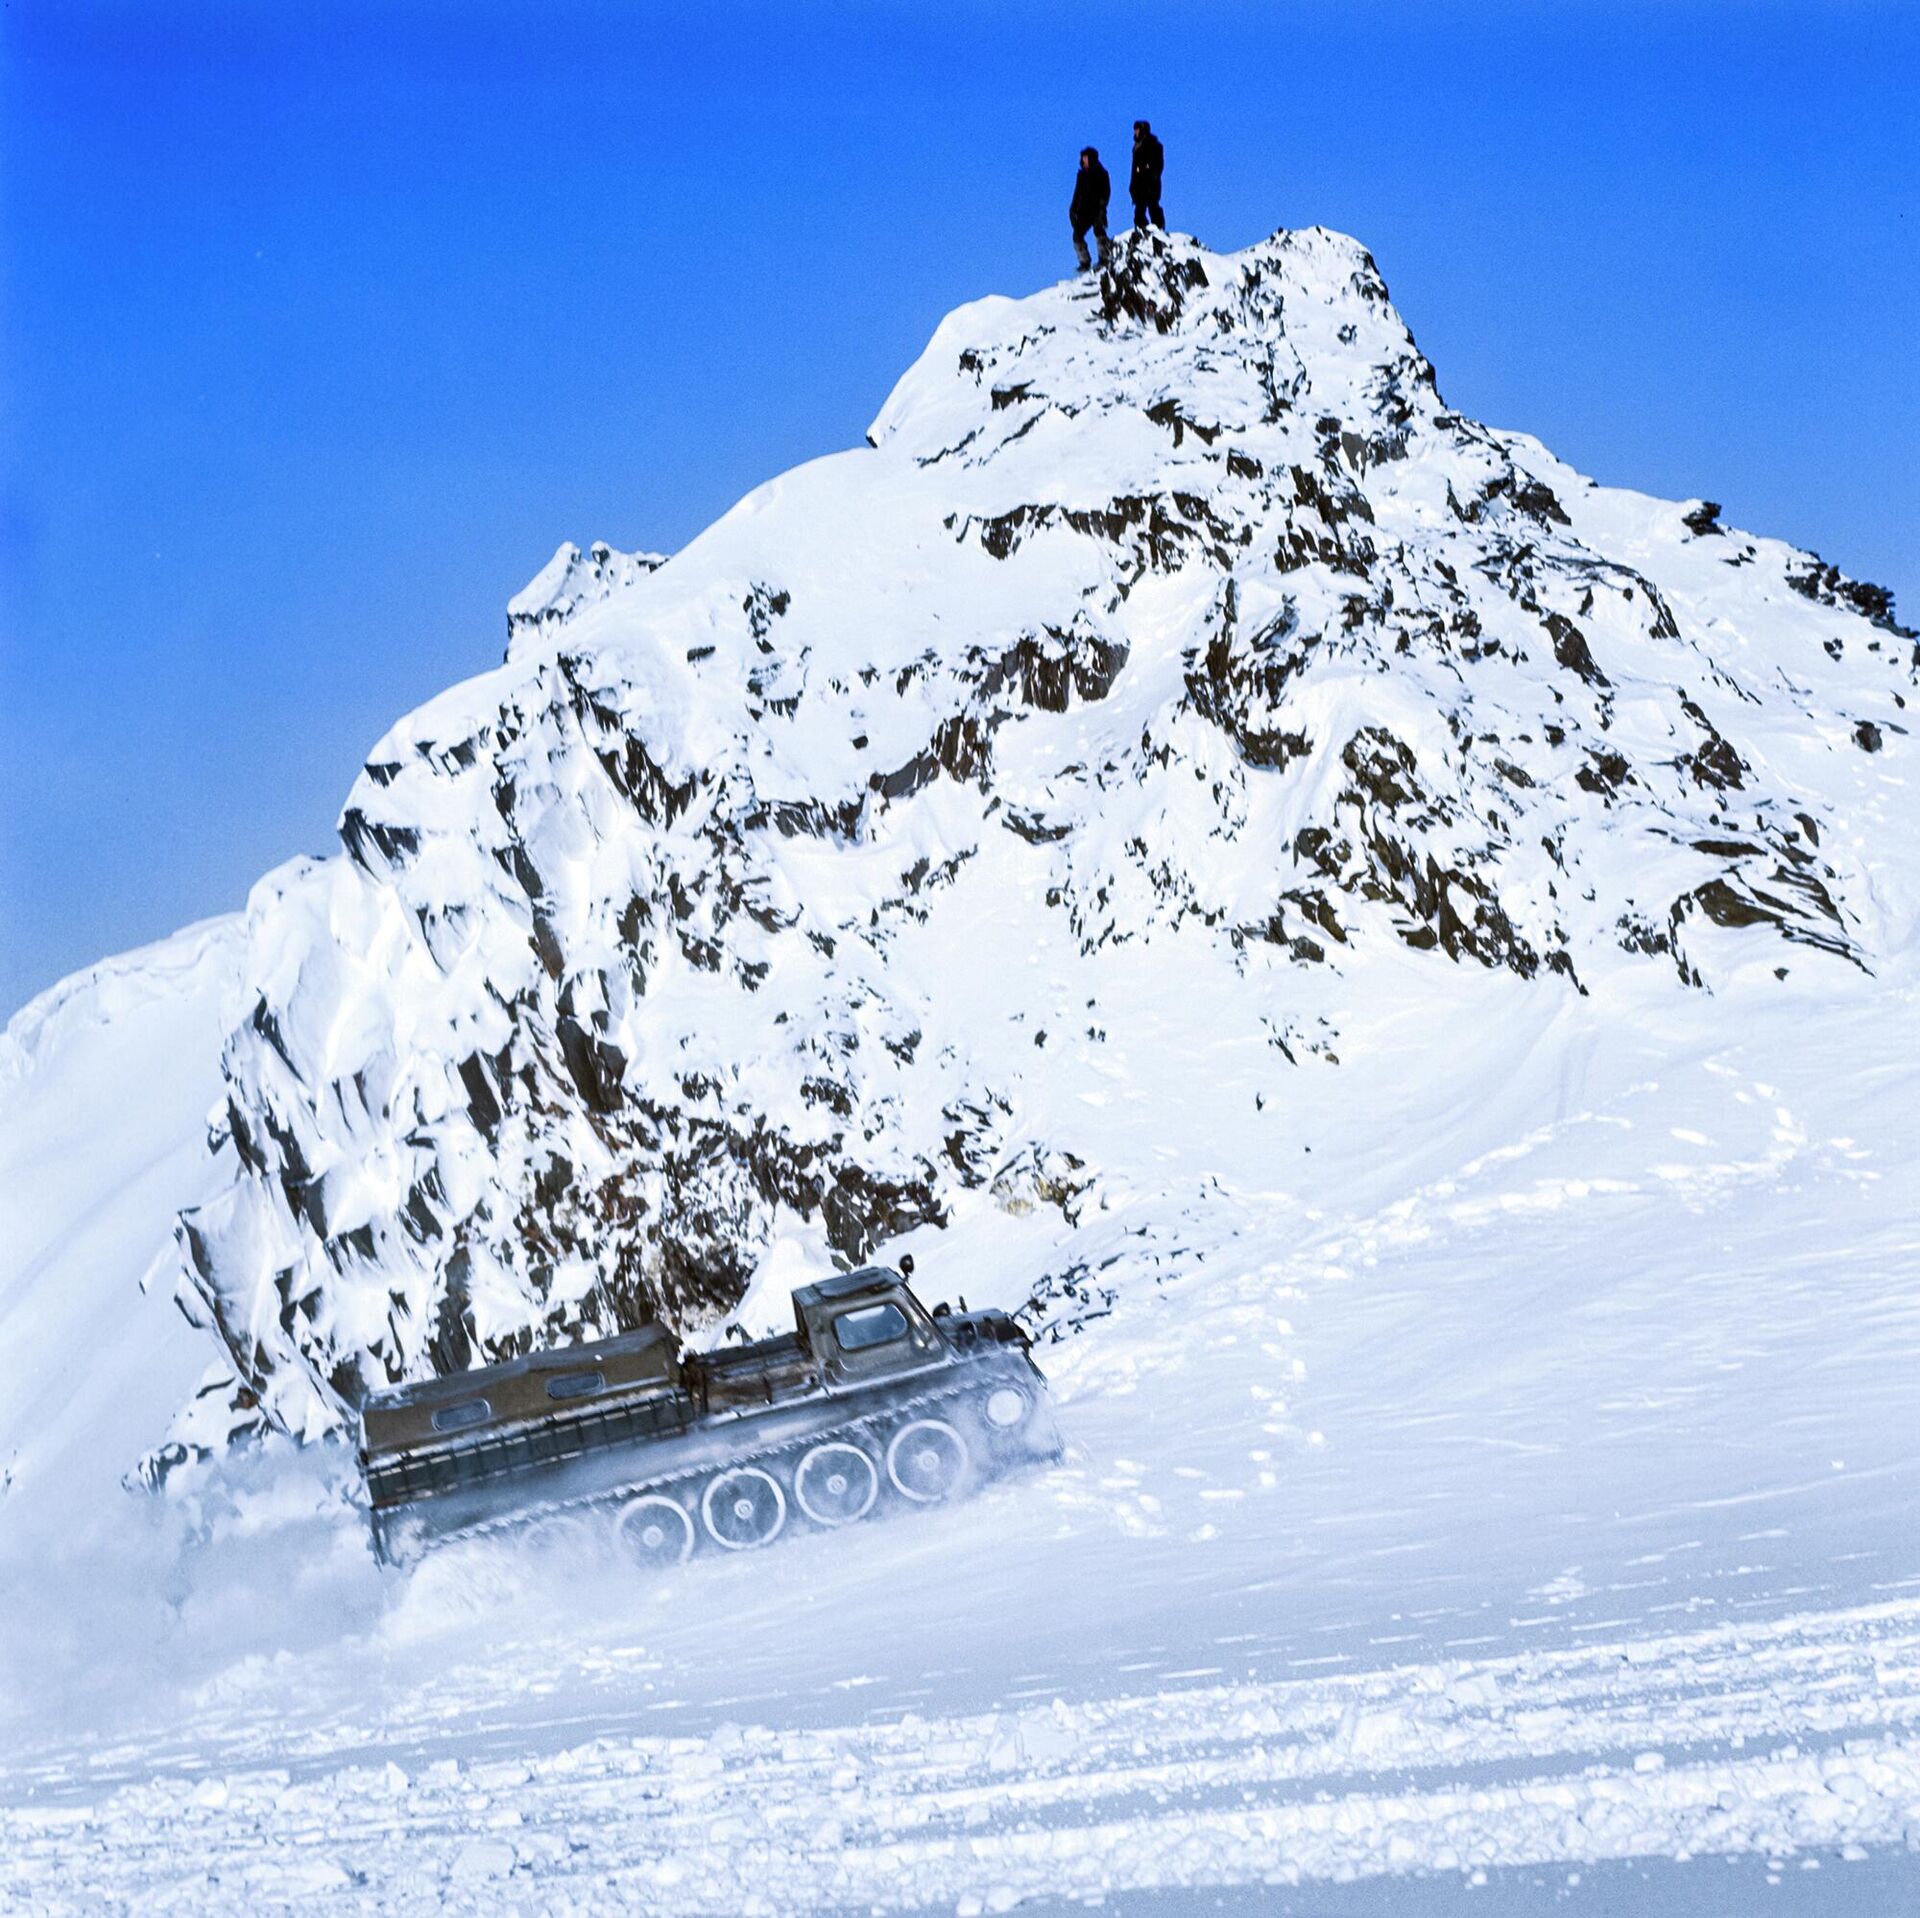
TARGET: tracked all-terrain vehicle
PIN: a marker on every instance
(870, 1401)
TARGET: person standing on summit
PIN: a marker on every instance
(1088, 211)
(1149, 156)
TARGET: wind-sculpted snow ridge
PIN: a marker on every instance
(1171, 611)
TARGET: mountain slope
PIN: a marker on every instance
(105, 1084)
(1173, 610)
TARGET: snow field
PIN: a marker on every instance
(1795, 1737)
(1538, 1492)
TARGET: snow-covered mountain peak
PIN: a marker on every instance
(1171, 640)
(1170, 340)
(570, 582)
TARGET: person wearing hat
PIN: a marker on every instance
(1088, 211)
(1149, 156)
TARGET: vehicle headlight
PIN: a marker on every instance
(1007, 1406)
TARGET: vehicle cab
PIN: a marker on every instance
(864, 1325)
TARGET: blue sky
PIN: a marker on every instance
(320, 327)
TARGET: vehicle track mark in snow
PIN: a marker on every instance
(1769, 1739)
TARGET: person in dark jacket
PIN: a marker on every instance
(1149, 156)
(1088, 212)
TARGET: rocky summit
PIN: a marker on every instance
(1173, 666)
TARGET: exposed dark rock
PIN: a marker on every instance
(829, 1093)
(861, 1211)
(1382, 767)
(1033, 830)
(482, 1105)
(418, 1216)
(1570, 649)
(1516, 489)
(1052, 667)
(1163, 531)
(365, 838)
(1604, 773)
(1537, 498)
(1713, 762)
(595, 1066)
(1640, 934)
(1798, 905)
(1147, 281)
(1168, 413)
(762, 606)
(1237, 683)
(1828, 586)
(1365, 450)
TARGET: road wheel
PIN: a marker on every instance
(1006, 1408)
(927, 1461)
(654, 1532)
(744, 1508)
(836, 1483)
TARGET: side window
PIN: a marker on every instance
(575, 1385)
(869, 1325)
(456, 1418)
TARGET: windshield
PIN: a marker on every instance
(869, 1325)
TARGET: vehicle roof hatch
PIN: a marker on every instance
(847, 1285)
